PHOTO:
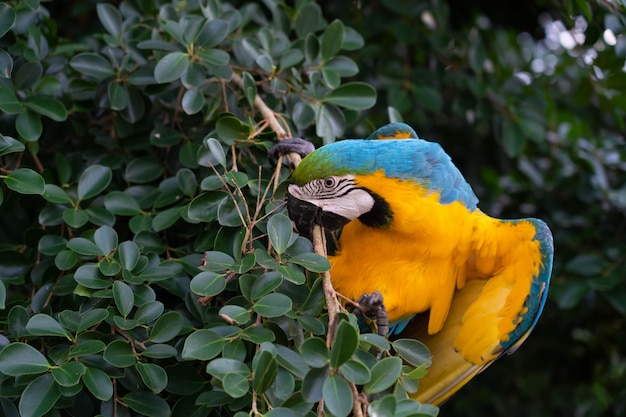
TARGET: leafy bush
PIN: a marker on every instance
(148, 267)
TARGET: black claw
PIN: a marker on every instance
(373, 308)
(291, 145)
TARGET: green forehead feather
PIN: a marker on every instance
(319, 164)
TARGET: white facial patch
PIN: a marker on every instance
(338, 195)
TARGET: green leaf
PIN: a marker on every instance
(119, 353)
(75, 217)
(343, 66)
(512, 138)
(17, 319)
(10, 145)
(6, 62)
(147, 404)
(166, 219)
(352, 40)
(9, 103)
(235, 384)
(311, 261)
(355, 372)
(193, 101)
(39, 396)
(111, 18)
(84, 247)
(265, 283)
(29, 126)
(166, 327)
(220, 367)
(143, 169)
(264, 370)
(384, 374)
(44, 325)
(118, 96)
(208, 284)
(7, 18)
(121, 204)
(123, 297)
(162, 272)
(273, 305)
(281, 412)
(280, 232)
(160, 351)
(216, 150)
(428, 97)
(337, 396)
(164, 136)
(171, 67)
(330, 42)
(230, 129)
(314, 352)
(238, 314)
(229, 212)
(27, 75)
(412, 351)
(55, 194)
(330, 122)
(187, 181)
(106, 239)
(249, 87)
(202, 345)
(213, 33)
(377, 341)
(68, 374)
(149, 311)
(47, 106)
(587, 265)
(344, 344)
(3, 296)
(152, 375)
(128, 253)
(93, 180)
(86, 348)
(92, 65)
(308, 19)
(91, 318)
(313, 384)
(25, 181)
(291, 274)
(353, 96)
(98, 383)
(88, 276)
(22, 359)
(214, 57)
(290, 58)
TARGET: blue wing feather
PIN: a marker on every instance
(538, 289)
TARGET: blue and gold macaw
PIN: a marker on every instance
(412, 231)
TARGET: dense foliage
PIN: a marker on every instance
(147, 266)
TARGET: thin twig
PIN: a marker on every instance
(269, 115)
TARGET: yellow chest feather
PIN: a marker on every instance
(427, 252)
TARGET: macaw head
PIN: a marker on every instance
(328, 185)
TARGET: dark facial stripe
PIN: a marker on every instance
(318, 190)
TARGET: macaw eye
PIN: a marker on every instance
(329, 182)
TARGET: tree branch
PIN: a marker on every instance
(319, 241)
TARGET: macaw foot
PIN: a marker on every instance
(291, 145)
(373, 308)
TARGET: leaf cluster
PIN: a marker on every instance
(147, 265)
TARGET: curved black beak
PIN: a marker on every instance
(305, 215)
